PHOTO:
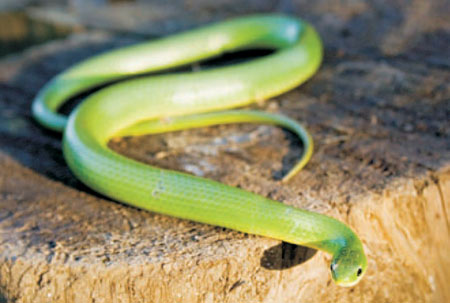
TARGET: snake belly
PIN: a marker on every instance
(168, 102)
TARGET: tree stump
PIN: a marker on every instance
(378, 110)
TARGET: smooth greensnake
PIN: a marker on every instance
(169, 102)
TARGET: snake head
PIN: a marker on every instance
(348, 266)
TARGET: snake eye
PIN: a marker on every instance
(333, 267)
(359, 272)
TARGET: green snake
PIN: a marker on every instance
(175, 101)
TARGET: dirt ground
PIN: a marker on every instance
(378, 110)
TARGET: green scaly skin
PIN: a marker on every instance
(144, 105)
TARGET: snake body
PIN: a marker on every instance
(168, 102)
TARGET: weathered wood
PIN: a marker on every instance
(379, 113)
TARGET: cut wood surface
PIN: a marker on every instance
(378, 110)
